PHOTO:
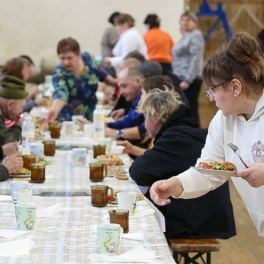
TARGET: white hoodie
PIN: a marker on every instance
(248, 136)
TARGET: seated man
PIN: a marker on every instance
(178, 144)
(12, 100)
(130, 82)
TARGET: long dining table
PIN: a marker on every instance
(68, 235)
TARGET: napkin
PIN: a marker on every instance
(139, 203)
(16, 248)
(49, 177)
(139, 235)
(10, 234)
(37, 199)
(49, 211)
(8, 214)
(137, 254)
(5, 198)
(142, 213)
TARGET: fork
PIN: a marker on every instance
(237, 152)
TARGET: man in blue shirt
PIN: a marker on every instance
(130, 82)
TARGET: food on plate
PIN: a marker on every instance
(22, 171)
(115, 170)
(114, 200)
(121, 177)
(42, 160)
(39, 135)
(110, 160)
(224, 166)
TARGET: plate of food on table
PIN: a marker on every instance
(216, 168)
(110, 160)
(22, 173)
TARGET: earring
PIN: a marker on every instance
(235, 95)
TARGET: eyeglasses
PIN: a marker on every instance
(209, 92)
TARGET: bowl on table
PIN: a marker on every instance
(117, 150)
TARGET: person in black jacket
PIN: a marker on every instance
(178, 144)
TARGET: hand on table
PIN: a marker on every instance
(184, 86)
(52, 115)
(118, 114)
(13, 162)
(128, 146)
(82, 122)
(254, 174)
(9, 148)
(110, 132)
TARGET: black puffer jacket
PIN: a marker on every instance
(177, 146)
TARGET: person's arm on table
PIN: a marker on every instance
(60, 95)
(11, 164)
(128, 133)
(9, 148)
(131, 149)
(56, 107)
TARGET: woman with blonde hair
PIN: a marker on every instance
(235, 77)
(187, 59)
(177, 145)
(130, 40)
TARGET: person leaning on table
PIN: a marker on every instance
(75, 81)
(12, 99)
(235, 77)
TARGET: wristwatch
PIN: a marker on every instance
(120, 133)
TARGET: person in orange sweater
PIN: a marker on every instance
(159, 43)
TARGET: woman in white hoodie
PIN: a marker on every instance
(235, 75)
(130, 40)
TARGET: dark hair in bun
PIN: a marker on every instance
(240, 58)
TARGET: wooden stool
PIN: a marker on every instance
(199, 246)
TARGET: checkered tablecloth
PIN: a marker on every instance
(64, 178)
(68, 236)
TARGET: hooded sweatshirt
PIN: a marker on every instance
(177, 146)
(248, 136)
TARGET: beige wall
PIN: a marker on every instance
(35, 26)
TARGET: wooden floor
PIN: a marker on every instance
(246, 247)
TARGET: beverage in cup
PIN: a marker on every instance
(99, 195)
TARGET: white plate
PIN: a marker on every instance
(216, 172)
(21, 176)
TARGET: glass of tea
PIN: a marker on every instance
(97, 172)
(99, 195)
(55, 130)
(53, 123)
(28, 160)
(37, 173)
(120, 217)
(98, 150)
(49, 147)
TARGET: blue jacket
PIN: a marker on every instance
(132, 119)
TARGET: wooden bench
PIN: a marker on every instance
(183, 247)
